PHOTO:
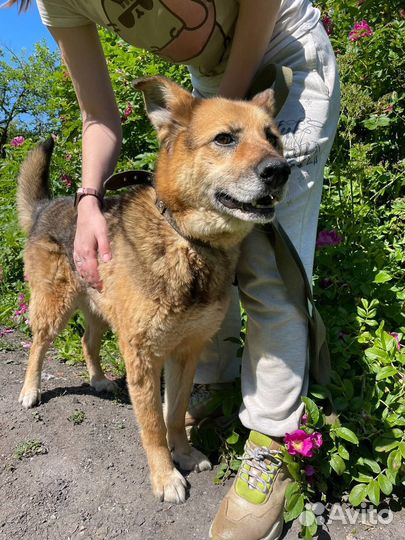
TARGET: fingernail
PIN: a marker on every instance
(106, 257)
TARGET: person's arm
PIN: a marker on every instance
(83, 55)
(253, 31)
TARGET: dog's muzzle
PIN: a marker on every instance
(273, 171)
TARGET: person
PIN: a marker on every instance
(224, 44)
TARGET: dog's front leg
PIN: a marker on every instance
(143, 376)
(179, 376)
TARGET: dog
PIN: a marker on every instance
(175, 248)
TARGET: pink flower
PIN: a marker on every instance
(128, 111)
(67, 180)
(6, 331)
(68, 157)
(304, 419)
(23, 309)
(328, 238)
(396, 337)
(317, 439)
(17, 141)
(21, 298)
(328, 25)
(26, 344)
(360, 30)
(301, 443)
(309, 470)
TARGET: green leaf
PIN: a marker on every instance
(291, 495)
(312, 409)
(373, 492)
(343, 452)
(235, 464)
(363, 478)
(358, 494)
(385, 484)
(394, 461)
(385, 444)
(337, 464)
(375, 122)
(296, 510)
(385, 372)
(295, 470)
(309, 523)
(320, 392)
(382, 277)
(391, 475)
(401, 448)
(347, 435)
(232, 439)
(370, 463)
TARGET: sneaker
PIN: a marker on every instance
(253, 507)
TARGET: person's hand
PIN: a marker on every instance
(91, 240)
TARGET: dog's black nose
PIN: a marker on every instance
(274, 171)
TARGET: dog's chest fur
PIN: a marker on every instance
(167, 285)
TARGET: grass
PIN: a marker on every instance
(28, 449)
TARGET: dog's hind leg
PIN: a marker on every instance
(91, 344)
(179, 375)
(143, 377)
(49, 315)
(52, 303)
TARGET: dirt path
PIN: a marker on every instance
(88, 477)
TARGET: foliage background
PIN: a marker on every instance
(359, 276)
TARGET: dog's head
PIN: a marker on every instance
(221, 167)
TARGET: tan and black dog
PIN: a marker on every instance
(165, 293)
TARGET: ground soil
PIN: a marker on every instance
(89, 480)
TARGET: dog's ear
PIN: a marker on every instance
(168, 106)
(265, 100)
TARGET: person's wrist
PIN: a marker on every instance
(88, 203)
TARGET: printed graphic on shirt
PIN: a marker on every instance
(178, 30)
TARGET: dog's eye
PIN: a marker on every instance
(225, 139)
(271, 137)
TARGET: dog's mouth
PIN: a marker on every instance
(261, 209)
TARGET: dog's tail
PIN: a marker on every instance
(33, 182)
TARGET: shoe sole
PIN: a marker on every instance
(274, 533)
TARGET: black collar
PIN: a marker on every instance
(135, 178)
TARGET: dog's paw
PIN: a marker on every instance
(29, 397)
(104, 385)
(171, 487)
(191, 460)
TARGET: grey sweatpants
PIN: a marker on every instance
(274, 364)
